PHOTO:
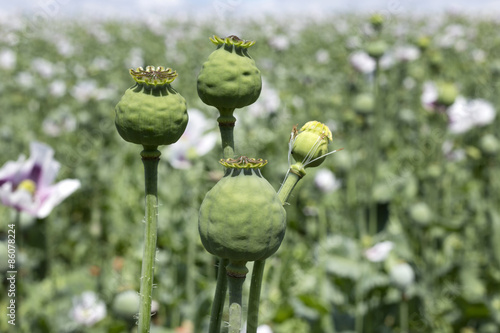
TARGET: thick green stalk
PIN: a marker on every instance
(219, 298)
(403, 315)
(291, 179)
(374, 151)
(254, 296)
(226, 126)
(359, 317)
(150, 158)
(236, 273)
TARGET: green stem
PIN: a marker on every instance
(403, 315)
(358, 323)
(226, 126)
(150, 158)
(49, 248)
(236, 273)
(359, 318)
(291, 179)
(219, 298)
(374, 151)
(191, 266)
(254, 296)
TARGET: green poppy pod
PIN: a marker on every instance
(229, 78)
(447, 93)
(376, 49)
(242, 217)
(151, 112)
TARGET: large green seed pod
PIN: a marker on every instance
(241, 217)
(151, 112)
(229, 78)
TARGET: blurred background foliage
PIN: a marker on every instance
(403, 178)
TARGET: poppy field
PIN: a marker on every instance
(398, 231)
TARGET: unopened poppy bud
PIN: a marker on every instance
(310, 144)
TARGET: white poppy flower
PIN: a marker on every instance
(379, 252)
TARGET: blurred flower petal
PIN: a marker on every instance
(465, 114)
(55, 195)
(379, 252)
(326, 181)
(362, 62)
(27, 185)
(88, 309)
(198, 139)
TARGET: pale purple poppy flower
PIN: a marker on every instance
(362, 62)
(57, 88)
(322, 56)
(88, 309)
(64, 46)
(28, 185)
(402, 53)
(268, 102)
(61, 121)
(429, 95)
(25, 80)
(452, 154)
(280, 42)
(198, 139)
(465, 114)
(379, 252)
(326, 181)
(43, 67)
(83, 91)
(406, 53)
(8, 59)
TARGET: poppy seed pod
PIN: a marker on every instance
(229, 78)
(242, 217)
(447, 93)
(402, 275)
(377, 21)
(376, 49)
(151, 112)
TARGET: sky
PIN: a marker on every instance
(219, 9)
